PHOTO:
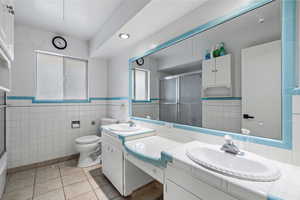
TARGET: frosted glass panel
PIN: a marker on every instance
(75, 79)
(49, 77)
(141, 90)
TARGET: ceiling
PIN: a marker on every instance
(78, 18)
(101, 21)
(153, 17)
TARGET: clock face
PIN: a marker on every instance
(59, 42)
(140, 61)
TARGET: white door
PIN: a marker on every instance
(223, 71)
(261, 90)
(175, 192)
(208, 73)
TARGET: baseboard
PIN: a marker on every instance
(42, 164)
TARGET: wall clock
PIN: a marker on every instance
(59, 42)
(140, 61)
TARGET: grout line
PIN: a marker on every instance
(34, 183)
(91, 185)
(62, 184)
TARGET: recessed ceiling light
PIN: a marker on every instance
(124, 36)
(261, 20)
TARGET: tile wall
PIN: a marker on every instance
(222, 115)
(38, 133)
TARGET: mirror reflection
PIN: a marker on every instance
(227, 78)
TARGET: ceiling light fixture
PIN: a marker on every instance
(261, 20)
(124, 36)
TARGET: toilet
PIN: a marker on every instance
(89, 145)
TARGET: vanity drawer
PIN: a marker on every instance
(155, 172)
(195, 186)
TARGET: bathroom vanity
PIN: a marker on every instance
(121, 173)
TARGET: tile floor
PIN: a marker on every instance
(64, 181)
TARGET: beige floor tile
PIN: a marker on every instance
(77, 189)
(54, 195)
(74, 178)
(21, 194)
(42, 188)
(98, 181)
(86, 196)
(22, 175)
(47, 174)
(107, 192)
(16, 184)
(64, 171)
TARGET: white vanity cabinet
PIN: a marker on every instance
(7, 27)
(112, 160)
(216, 72)
(125, 176)
(181, 184)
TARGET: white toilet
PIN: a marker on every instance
(85, 146)
(88, 145)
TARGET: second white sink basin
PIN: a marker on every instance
(248, 166)
(124, 127)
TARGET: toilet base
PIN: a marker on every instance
(87, 161)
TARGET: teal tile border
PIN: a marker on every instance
(89, 100)
(288, 72)
(220, 98)
(159, 162)
(270, 197)
(145, 101)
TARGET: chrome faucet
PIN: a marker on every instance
(230, 147)
(131, 123)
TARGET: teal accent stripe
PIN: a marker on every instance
(154, 161)
(145, 101)
(157, 122)
(20, 97)
(34, 100)
(270, 197)
(220, 98)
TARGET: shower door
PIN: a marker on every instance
(168, 93)
(180, 99)
(190, 107)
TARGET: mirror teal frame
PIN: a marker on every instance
(288, 39)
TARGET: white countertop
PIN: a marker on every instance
(286, 188)
(151, 146)
(142, 130)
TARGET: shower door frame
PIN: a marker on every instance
(178, 91)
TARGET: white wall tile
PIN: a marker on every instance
(39, 133)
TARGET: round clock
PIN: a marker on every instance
(59, 42)
(140, 61)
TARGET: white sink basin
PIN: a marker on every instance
(124, 127)
(248, 166)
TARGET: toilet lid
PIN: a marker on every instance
(87, 139)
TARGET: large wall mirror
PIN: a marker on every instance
(226, 78)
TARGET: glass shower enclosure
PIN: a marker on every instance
(180, 99)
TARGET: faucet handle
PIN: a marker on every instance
(228, 139)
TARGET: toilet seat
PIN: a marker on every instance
(90, 139)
